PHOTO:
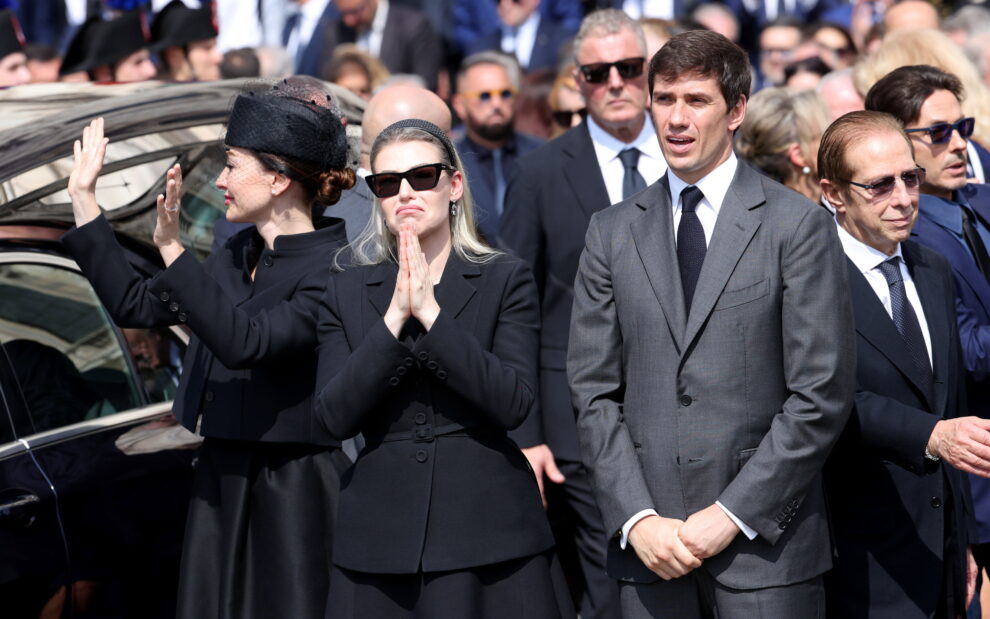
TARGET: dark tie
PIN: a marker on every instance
(633, 181)
(906, 322)
(691, 246)
(975, 243)
(499, 182)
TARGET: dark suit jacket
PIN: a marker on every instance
(738, 400)
(888, 503)
(550, 37)
(439, 486)
(251, 364)
(553, 192)
(409, 44)
(354, 207)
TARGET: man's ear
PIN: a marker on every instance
(737, 114)
(831, 192)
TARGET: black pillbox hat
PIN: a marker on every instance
(177, 25)
(100, 42)
(11, 36)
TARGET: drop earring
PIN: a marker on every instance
(453, 209)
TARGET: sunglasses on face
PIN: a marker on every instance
(487, 95)
(565, 118)
(912, 180)
(420, 178)
(942, 132)
(597, 72)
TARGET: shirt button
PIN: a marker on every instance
(269, 261)
(164, 297)
(686, 400)
(173, 306)
(182, 317)
(420, 418)
(936, 502)
(209, 397)
(421, 456)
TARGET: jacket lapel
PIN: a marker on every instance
(932, 303)
(653, 235)
(455, 288)
(381, 285)
(582, 171)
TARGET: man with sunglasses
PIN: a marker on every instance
(485, 101)
(954, 220)
(902, 517)
(551, 197)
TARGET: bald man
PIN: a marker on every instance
(911, 15)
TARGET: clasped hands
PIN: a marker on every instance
(671, 547)
(413, 296)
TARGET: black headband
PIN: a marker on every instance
(288, 127)
(428, 127)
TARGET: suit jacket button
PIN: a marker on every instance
(686, 400)
(173, 306)
(936, 502)
(394, 381)
(432, 365)
(182, 317)
(420, 418)
(782, 525)
(208, 396)
(442, 374)
(164, 297)
(269, 261)
(423, 356)
(409, 362)
(421, 456)
(401, 370)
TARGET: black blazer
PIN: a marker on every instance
(251, 364)
(438, 486)
(889, 504)
(552, 194)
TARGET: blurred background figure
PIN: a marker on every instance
(523, 32)
(840, 93)
(474, 20)
(780, 137)
(567, 105)
(114, 50)
(910, 15)
(777, 43)
(301, 35)
(186, 42)
(755, 17)
(805, 74)
(835, 44)
(717, 18)
(13, 62)
(356, 70)
(657, 32)
(487, 83)
(240, 63)
(43, 61)
(158, 360)
(969, 27)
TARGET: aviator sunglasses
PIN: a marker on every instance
(912, 180)
(942, 132)
(420, 178)
(597, 72)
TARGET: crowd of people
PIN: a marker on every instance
(630, 308)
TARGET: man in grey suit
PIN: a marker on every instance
(711, 363)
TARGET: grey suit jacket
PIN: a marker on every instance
(354, 207)
(741, 400)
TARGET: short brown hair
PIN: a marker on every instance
(706, 54)
(903, 91)
(846, 132)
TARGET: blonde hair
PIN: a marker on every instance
(931, 47)
(377, 244)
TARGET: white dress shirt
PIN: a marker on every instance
(868, 261)
(660, 9)
(651, 164)
(371, 39)
(309, 16)
(522, 39)
(713, 187)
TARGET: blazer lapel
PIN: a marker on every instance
(653, 235)
(381, 285)
(734, 229)
(582, 171)
(455, 290)
(930, 292)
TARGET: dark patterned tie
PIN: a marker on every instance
(691, 246)
(975, 243)
(906, 322)
(633, 181)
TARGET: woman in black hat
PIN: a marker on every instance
(441, 515)
(258, 535)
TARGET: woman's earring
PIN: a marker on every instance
(453, 209)
(805, 170)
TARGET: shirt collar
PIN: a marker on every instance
(943, 212)
(714, 185)
(865, 258)
(608, 147)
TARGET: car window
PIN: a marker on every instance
(65, 353)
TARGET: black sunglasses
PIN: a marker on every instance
(597, 72)
(565, 118)
(420, 178)
(912, 180)
(942, 132)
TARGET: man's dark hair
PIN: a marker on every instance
(240, 63)
(903, 91)
(705, 54)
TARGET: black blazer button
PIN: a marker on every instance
(269, 261)
(432, 365)
(164, 297)
(686, 400)
(782, 526)
(394, 381)
(423, 356)
(442, 374)
(182, 317)
(173, 306)
(936, 502)
(401, 370)
(208, 396)
(409, 362)
(421, 456)
(420, 418)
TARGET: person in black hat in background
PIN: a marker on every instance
(13, 62)
(116, 50)
(186, 42)
(257, 541)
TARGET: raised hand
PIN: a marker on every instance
(422, 304)
(166, 235)
(398, 310)
(87, 158)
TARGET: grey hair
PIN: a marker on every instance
(376, 243)
(603, 23)
(509, 63)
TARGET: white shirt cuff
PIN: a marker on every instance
(624, 540)
(747, 531)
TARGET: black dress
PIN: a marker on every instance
(441, 515)
(258, 537)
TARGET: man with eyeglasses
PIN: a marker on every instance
(953, 220)
(900, 504)
(487, 83)
(551, 197)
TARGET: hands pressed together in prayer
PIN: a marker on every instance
(672, 548)
(413, 296)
